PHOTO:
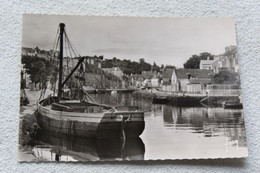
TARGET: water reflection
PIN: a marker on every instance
(170, 133)
(212, 122)
(63, 148)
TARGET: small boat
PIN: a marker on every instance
(84, 118)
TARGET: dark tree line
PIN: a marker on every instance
(40, 70)
(130, 67)
(194, 61)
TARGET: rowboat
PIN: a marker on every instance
(82, 118)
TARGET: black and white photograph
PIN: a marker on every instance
(100, 88)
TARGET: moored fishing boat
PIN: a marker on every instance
(84, 118)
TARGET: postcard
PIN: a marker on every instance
(100, 88)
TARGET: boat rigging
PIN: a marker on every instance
(84, 118)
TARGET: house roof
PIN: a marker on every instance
(195, 73)
(167, 73)
(147, 74)
(199, 81)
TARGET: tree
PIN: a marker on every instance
(155, 67)
(39, 69)
(194, 61)
(127, 66)
(162, 66)
(170, 67)
(226, 77)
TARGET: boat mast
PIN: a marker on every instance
(62, 26)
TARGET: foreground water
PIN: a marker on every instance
(170, 133)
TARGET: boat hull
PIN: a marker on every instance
(80, 129)
(91, 125)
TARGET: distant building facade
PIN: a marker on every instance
(115, 71)
(136, 80)
(190, 80)
(227, 61)
(167, 80)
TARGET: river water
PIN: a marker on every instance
(170, 133)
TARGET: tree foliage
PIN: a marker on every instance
(194, 61)
(127, 66)
(39, 69)
(170, 67)
(226, 77)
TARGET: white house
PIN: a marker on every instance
(189, 80)
(226, 61)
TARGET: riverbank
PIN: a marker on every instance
(177, 99)
(184, 99)
(28, 127)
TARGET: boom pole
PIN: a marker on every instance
(73, 70)
(62, 26)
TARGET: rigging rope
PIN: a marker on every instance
(99, 81)
(70, 50)
(76, 53)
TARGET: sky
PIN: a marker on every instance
(163, 40)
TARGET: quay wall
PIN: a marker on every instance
(178, 99)
(187, 99)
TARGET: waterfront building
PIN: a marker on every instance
(198, 85)
(197, 79)
(227, 61)
(167, 80)
(147, 83)
(94, 76)
(111, 81)
(94, 60)
(210, 65)
(155, 81)
(125, 81)
(115, 71)
(136, 80)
